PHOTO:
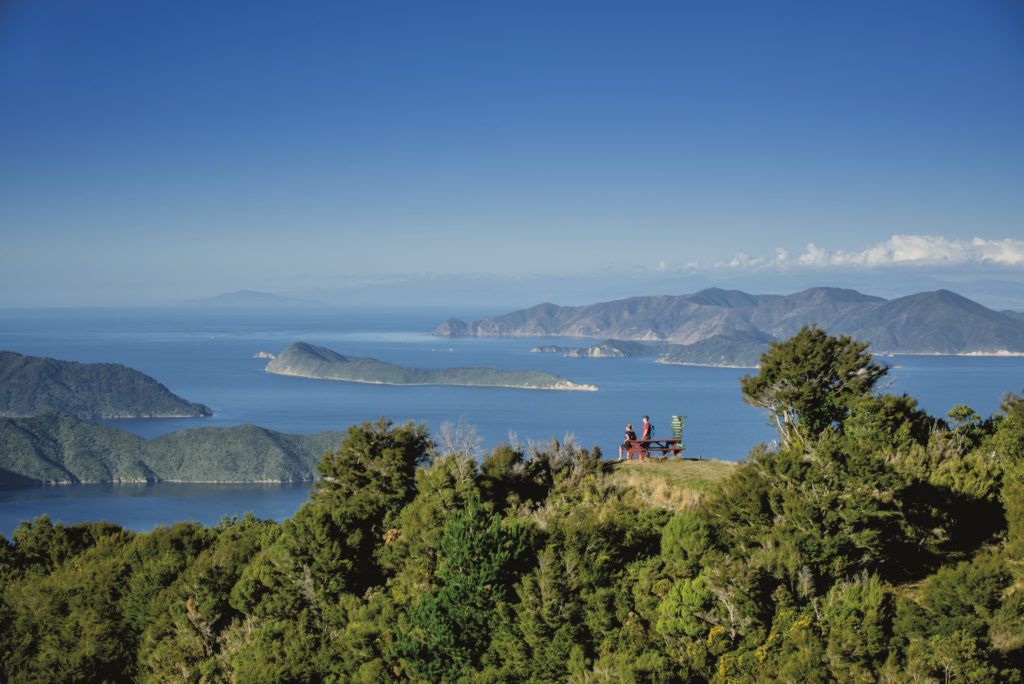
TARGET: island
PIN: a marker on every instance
(31, 384)
(56, 448)
(310, 361)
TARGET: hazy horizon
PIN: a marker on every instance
(456, 297)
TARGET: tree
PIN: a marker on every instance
(450, 628)
(808, 382)
(1008, 439)
(889, 421)
(857, 619)
(684, 611)
(364, 487)
(687, 539)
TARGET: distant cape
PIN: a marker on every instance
(940, 322)
(250, 299)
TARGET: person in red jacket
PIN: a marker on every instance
(648, 430)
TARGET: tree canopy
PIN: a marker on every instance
(809, 382)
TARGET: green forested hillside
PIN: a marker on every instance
(56, 447)
(734, 348)
(877, 543)
(32, 384)
(245, 453)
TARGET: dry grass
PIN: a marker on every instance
(674, 484)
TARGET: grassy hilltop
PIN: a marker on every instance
(676, 484)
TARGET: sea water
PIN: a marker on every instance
(210, 356)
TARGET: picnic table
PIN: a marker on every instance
(644, 447)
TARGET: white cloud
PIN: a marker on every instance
(898, 250)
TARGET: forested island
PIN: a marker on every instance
(871, 542)
(31, 384)
(55, 448)
(310, 361)
(731, 328)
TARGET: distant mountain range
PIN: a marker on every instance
(1013, 314)
(57, 448)
(309, 361)
(245, 299)
(723, 327)
(33, 384)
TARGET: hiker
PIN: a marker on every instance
(630, 437)
(646, 432)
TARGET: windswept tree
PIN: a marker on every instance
(808, 382)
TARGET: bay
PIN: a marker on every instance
(144, 507)
(209, 356)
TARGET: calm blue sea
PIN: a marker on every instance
(208, 356)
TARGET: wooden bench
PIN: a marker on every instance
(645, 447)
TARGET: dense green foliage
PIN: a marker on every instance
(54, 447)
(809, 382)
(309, 361)
(31, 385)
(889, 546)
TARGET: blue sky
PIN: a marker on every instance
(572, 151)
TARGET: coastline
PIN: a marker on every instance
(1003, 353)
(573, 388)
(69, 483)
(129, 417)
(706, 365)
(197, 415)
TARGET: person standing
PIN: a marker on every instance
(646, 432)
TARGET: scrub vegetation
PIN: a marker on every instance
(875, 542)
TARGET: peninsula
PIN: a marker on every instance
(309, 361)
(31, 384)
(56, 448)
